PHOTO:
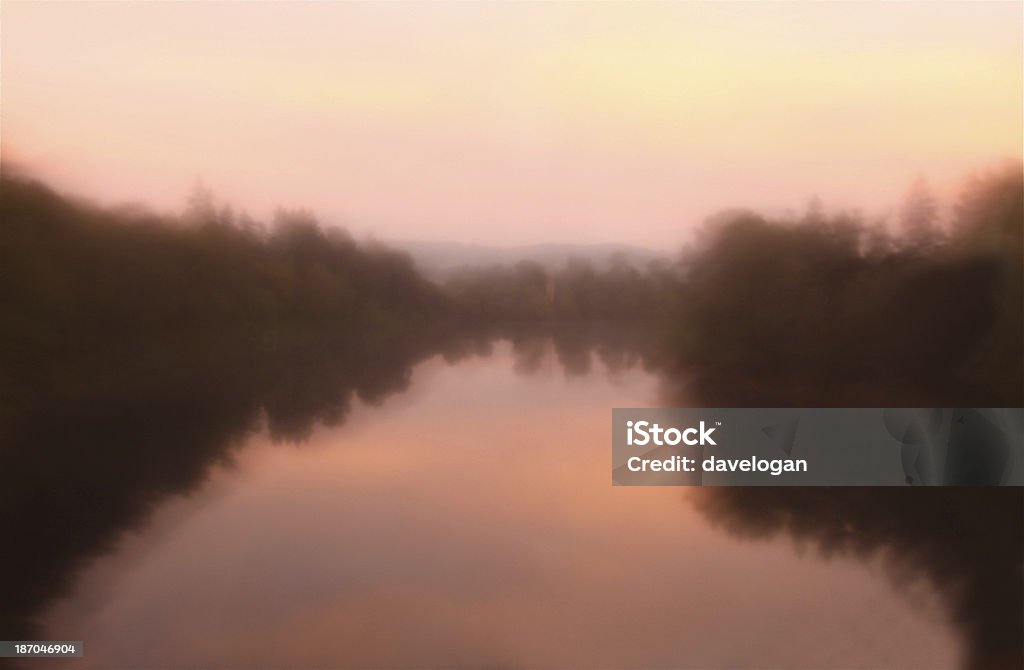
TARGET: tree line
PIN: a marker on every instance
(801, 301)
(834, 310)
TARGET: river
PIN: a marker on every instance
(467, 518)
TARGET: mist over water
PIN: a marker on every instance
(447, 502)
(181, 396)
(237, 434)
(463, 516)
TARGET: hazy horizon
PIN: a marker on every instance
(511, 124)
(234, 436)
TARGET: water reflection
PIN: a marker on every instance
(968, 543)
(95, 451)
(488, 552)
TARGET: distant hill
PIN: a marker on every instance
(442, 258)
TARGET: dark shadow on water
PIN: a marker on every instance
(116, 435)
(967, 543)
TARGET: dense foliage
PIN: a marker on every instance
(577, 290)
(798, 309)
(81, 281)
(828, 304)
(135, 271)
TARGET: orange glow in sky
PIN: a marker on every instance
(511, 123)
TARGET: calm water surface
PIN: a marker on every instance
(470, 520)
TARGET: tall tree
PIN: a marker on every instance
(920, 216)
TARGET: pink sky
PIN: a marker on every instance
(511, 123)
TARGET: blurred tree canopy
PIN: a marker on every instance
(825, 301)
(815, 300)
(78, 280)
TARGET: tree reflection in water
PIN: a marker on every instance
(111, 438)
(966, 542)
(107, 438)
